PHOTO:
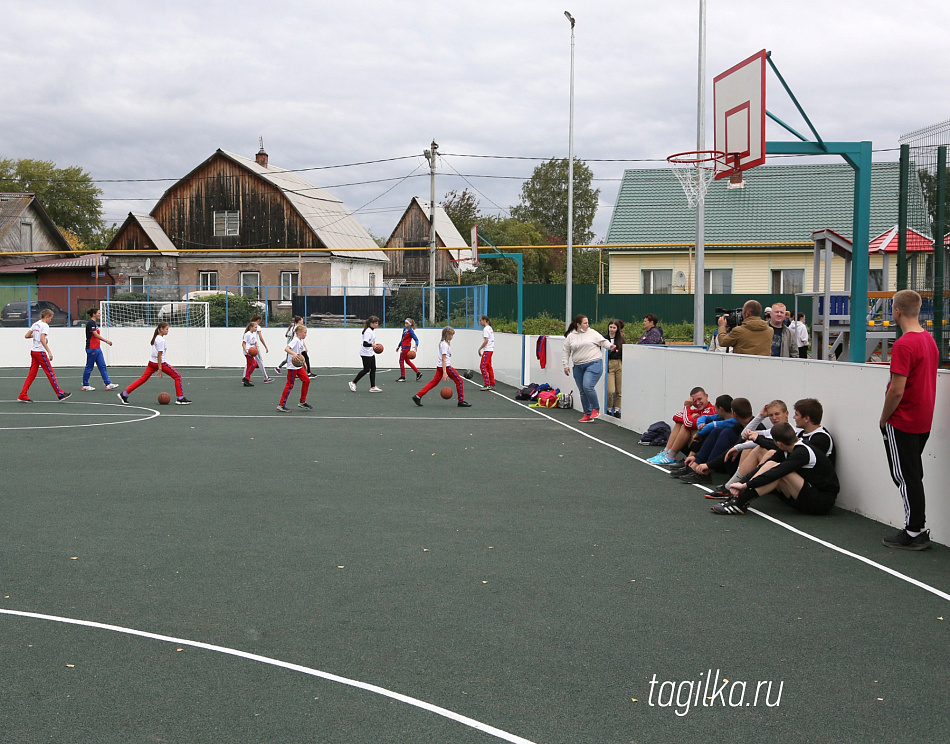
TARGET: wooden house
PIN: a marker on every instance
(272, 232)
(412, 232)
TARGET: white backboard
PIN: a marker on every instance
(739, 115)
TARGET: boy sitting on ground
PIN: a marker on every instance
(684, 426)
(711, 455)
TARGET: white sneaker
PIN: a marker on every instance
(112, 386)
(352, 385)
(87, 387)
(375, 390)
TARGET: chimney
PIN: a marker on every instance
(261, 158)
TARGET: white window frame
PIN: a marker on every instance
(256, 287)
(289, 283)
(708, 283)
(648, 281)
(226, 223)
(136, 284)
(208, 281)
(783, 275)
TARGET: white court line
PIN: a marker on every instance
(24, 411)
(27, 409)
(353, 418)
(825, 543)
(445, 713)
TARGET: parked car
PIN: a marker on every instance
(15, 314)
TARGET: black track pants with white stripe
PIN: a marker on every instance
(907, 470)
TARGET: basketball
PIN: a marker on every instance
(446, 392)
(378, 348)
(298, 360)
(164, 399)
(252, 352)
(410, 354)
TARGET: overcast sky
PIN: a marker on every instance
(136, 90)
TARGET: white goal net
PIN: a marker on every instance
(130, 325)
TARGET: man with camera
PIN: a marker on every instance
(748, 334)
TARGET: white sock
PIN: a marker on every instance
(912, 534)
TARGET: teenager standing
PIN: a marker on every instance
(94, 356)
(41, 356)
(368, 355)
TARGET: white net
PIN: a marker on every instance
(694, 179)
(129, 326)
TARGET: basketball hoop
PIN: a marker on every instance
(695, 170)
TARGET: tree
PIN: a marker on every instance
(544, 201)
(68, 194)
(463, 209)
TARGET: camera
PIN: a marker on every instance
(733, 317)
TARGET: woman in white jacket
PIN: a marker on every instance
(585, 348)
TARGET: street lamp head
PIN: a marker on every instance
(570, 18)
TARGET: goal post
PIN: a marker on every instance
(130, 325)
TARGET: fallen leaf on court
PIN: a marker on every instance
(74, 558)
(179, 649)
(433, 454)
(484, 582)
(880, 698)
(425, 550)
(632, 581)
(341, 566)
(634, 700)
(940, 618)
(71, 666)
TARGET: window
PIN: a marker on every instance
(876, 280)
(718, 281)
(226, 223)
(289, 283)
(136, 284)
(657, 281)
(208, 280)
(251, 284)
(788, 281)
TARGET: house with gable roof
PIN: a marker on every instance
(267, 227)
(412, 231)
(758, 239)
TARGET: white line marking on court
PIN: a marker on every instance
(310, 416)
(27, 409)
(832, 546)
(458, 718)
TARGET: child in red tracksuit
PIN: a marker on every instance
(405, 345)
(41, 356)
(444, 371)
(297, 347)
(158, 364)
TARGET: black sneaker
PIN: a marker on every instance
(283, 409)
(24, 400)
(277, 370)
(400, 379)
(730, 506)
(464, 404)
(680, 470)
(720, 493)
(694, 478)
(903, 541)
(305, 406)
(124, 398)
(64, 396)
(248, 383)
(183, 401)
(417, 400)
(418, 376)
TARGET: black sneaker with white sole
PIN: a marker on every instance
(183, 401)
(64, 396)
(305, 406)
(464, 404)
(283, 409)
(730, 506)
(124, 398)
(418, 376)
(417, 400)
(694, 478)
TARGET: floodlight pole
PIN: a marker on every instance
(430, 156)
(569, 273)
(699, 288)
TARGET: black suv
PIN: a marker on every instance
(15, 314)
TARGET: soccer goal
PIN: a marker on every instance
(130, 325)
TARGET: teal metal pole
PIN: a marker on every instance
(860, 262)
(902, 218)
(940, 230)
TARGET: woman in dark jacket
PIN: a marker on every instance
(653, 334)
(614, 366)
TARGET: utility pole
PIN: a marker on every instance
(431, 156)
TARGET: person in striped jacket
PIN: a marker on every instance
(405, 346)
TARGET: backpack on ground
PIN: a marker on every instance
(656, 434)
(547, 399)
(566, 400)
(526, 392)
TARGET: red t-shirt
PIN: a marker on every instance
(915, 356)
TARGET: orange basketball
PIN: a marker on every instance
(164, 398)
(252, 352)
(378, 348)
(446, 392)
(410, 354)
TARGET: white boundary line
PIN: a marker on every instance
(445, 713)
(64, 411)
(780, 523)
(353, 418)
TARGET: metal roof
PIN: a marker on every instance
(88, 261)
(446, 230)
(779, 204)
(326, 215)
(155, 233)
(12, 206)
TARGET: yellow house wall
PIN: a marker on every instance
(751, 271)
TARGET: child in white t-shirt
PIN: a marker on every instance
(157, 363)
(485, 351)
(252, 340)
(444, 371)
(297, 347)
(368, 355)
(41, 356)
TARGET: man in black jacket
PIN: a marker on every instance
(800, 473)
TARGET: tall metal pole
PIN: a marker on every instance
(430, 156)
(699, 288)
(940, 250)
(569, 276)
(902, 218)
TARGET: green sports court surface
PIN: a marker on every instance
(376, 572)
